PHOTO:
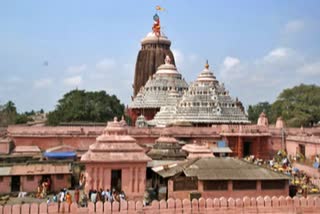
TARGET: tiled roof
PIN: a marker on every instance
(221, 169)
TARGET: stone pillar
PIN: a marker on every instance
(101, 178)
(136, 180)
(200, 186)
(142, 185)
(98, 178)
(240, 147)
(89, 179)
(107, 178)
(95, 176)
(133, 179)
(130, 188)
(258, 186)
(230, 186)
(259, 147)
(170, 189)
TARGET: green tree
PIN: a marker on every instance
(8, 114)
(82, 106)
(22, 118)
(298, 106)
(254, 111)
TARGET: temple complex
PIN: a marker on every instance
(154, 48)
(115, 161)
(164, 88)
(185, 142)
(206, 102)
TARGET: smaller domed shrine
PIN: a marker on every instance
(263, 120)
(116, 161)
(280, 124)
(197, 151)
(167, 148)
(164, 88)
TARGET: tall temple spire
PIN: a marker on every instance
(154, 48)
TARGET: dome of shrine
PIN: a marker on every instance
(152, 38)
(206, 75)
(164, 88)
(168, 69)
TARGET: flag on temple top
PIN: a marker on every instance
(159, 8)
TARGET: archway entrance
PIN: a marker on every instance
(246, 149)
(116, 179)
(15, 184)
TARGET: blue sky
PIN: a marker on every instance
(257, 48)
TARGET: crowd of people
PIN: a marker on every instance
(300, 182)
(106, 195)
(82, 199)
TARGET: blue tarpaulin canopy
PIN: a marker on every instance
(60, 155)
(221, 144)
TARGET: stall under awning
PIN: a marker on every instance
(221, 150)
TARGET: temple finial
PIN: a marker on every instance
(156, 25)
(167, 60)
(207, 65)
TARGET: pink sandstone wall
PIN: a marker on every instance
(4, 147)
(279, 205)
(29, 186)
(58, 184)
(5, 184)
(311, 149)
(133, 178)
(80, 143)
(227, 193)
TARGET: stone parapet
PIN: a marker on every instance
(202, 206)
(305, 139)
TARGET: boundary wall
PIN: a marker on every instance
(202, 206)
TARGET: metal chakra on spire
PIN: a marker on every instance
(207, 65)
(156, 25)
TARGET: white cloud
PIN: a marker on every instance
(311, 69)
(178, 56)
(277, 54)
(42, 83)
(76, 69)
(294, 26)
(106, 65)
(73, 81)
(230, 62)
(265, 77)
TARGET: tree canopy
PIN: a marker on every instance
(255, 110)
(8, 114)
(83, 106)
(298, 106)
